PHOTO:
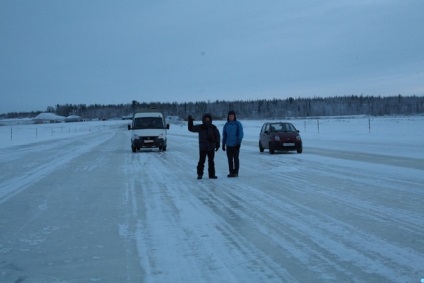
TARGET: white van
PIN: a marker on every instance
(148, 130)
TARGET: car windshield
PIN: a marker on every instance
(282, 127)
(148, 123)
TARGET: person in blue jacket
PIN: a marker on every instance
(232, 135)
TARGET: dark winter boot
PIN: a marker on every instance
(200, 168)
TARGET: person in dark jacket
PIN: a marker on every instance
(232, 135)
(209, 142)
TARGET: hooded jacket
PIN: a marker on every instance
(209, 137)
(232, 133)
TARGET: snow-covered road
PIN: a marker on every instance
(87, 209)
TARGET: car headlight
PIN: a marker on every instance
(136, 137)
(277, 138)
(298, 138)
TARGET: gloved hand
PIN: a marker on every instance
(238, 146)
(190, 118)
(217, 148)
(223, 147)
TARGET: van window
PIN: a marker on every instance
(148, 123)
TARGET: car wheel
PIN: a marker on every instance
(261, 149)
(133, 148)
(164, 148)
(300, 150)
(271, 149)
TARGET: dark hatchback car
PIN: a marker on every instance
(280, 136)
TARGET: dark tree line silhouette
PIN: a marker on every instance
(250, 109)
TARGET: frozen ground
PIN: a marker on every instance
(76, 205)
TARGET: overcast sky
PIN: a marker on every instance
(108, 52)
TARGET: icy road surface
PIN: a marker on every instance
(86, 209)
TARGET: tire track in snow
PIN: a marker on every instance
(300, 189)
(24, 175)
(191, 233)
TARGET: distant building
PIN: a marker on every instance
(73, 118)
(127, 117)
(172, 118)
(48, 118)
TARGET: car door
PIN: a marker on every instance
(264, 136)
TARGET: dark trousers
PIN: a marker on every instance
(211, 164)
(233, 159)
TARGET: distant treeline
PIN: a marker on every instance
(250, 109)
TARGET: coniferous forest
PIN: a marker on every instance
(248, 109)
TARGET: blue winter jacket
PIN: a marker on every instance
(232, 134)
